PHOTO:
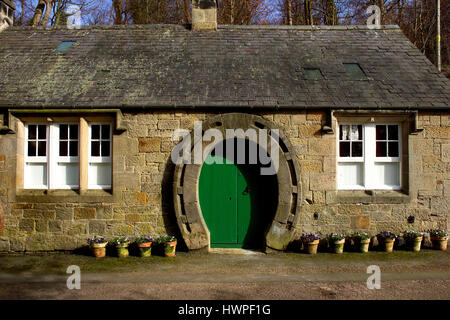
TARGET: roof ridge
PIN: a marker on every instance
(220, 27)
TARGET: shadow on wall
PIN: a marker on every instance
(168, 211)
(2, 219)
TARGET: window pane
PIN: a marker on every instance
(381, 132)
(381, 149)
(32, 132)
(42, 148)
(393, 132)
(344, 133)
(74, 132)
(35, 175)
(387, 174)
(42, 132)
(356, 133)
(95, 132)
(95, 149)
(73, 148)
(350, 174)
(393, 149)
(105, 132)
(105, 149)
(63, 148)
(99, 174)
(344, 149)
(356, 149)
(63, 132)
(68, 174)
(32, 148)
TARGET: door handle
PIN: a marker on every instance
(246, 191)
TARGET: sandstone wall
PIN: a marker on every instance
(141, 200)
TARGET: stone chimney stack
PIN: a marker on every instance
(204, 14)
(7, 9)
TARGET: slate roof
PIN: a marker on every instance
(158, 66)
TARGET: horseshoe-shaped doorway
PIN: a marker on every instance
(190, 201)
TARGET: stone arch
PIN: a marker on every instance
(186, 179)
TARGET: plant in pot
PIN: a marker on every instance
(145, 245)
(386, 240)
(336, 242)
(310, 242)
(439, 239)
(413, 240)
(98, 246)
(121, 245)
(169, 243)
(361, 241)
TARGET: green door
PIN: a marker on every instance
(235, 209)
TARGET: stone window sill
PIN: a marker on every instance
(372, 196)
(65, 196)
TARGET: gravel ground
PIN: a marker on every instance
(291, 276)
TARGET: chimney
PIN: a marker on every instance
(204, 14)
(7, 9)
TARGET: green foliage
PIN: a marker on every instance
(438, 233)
(335, 237)
(361, 236)
(165, 239)
(144, 239)
(120, 241)
(407, 234)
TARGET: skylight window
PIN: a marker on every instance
(354, 71)
(64, 46)
(313, 74)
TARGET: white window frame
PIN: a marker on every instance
(36, 159)
(369, 158)
(52, 158)
(99, 159)
(64, 159)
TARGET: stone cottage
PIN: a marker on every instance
(359, 118)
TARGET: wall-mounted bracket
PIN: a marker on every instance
(327, 127)
(415, 126)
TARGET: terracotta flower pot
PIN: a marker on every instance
(362, 245)
(145, 249)
(122, 250)
(414, 244)
(99, 249)
(169, 248)
(337, 246)
(439, 243)
(311, 247)
(387, 244)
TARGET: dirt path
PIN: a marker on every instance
(404, 276)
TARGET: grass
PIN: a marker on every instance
(206, 263)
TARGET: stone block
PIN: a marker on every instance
(149, 144)
(84, 213)
(360, 222)
(168, 124)
(39, 214)
(322, 182)
(350, 209)
(310, 166)
(97, 227)
(309, 131)
(26, 225)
